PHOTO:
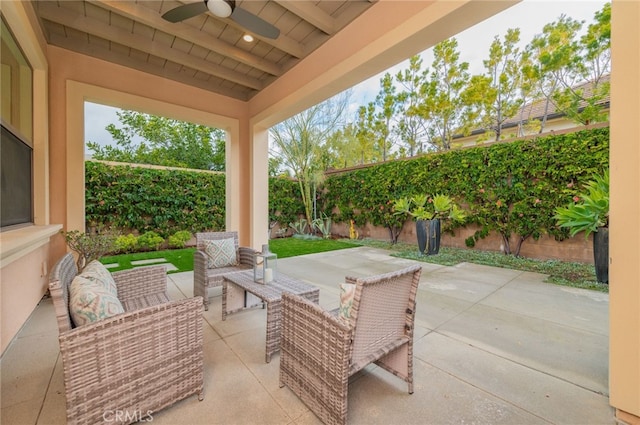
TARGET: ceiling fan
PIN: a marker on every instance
(224, 9)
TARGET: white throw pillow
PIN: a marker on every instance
(220, 253)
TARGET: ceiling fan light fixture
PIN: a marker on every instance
(219, 8)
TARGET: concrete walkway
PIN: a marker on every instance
(492, 346)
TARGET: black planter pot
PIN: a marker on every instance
(601, 254)
(421, 233)
(434, 237)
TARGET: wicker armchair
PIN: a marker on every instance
(204, 277)
(126, 367)
(319, 351)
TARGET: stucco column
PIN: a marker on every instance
(233, 183)
(624, 233)
(259, 208)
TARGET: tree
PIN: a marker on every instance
(365, 133)
(164, 141)
(504, 73)
(593, 65)
(411, 126)
(443, 94)
(386, 107)
(298, 142)
(342, 148)
(555, 58)
(528, 93)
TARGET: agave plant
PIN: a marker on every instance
(323, 225)
(591, 211)
(421, 207)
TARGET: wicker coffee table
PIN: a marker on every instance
(237, 291)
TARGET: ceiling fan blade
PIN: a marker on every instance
(185, 11)
(254, 24)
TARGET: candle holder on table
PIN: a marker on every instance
(264, 265)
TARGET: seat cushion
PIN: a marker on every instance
(220, 253)
(145, 301)
(93, 295)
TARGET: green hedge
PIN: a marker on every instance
(509, 188)
(146, 199)
(126, 198)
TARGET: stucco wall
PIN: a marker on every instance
(576, 249)
(22, 284)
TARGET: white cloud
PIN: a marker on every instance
(96, 118)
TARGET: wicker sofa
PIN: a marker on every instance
(205, 277)
(320, 350)
(123, 368)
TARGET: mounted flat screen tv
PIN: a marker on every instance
(16, 196)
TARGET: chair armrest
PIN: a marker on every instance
(351, 279)
(246, 255)
(141, 361)
(141, 281)
(315, 355)
(200, 266)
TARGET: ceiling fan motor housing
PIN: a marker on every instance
(221, 8)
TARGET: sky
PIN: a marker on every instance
(473, 44)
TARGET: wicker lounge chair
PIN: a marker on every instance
(320, 351)
(123, 368)
(204, 277)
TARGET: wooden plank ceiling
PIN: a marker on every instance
(204, 51)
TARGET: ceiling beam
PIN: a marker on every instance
(186, 32)
(102, 53)
(51, 12)
(310, 13)
(284, 43)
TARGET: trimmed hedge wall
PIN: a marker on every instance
(128, 198)
(508, 188)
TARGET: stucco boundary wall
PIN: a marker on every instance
(575, 249)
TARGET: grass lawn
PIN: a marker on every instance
(290, 247)
(182, 259)
(577, 275)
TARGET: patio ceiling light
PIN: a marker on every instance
(220, 8)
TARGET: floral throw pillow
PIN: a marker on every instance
(95, 271)
(220, 253)
(347, 293)
(93, 295)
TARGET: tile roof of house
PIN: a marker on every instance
(535, 109)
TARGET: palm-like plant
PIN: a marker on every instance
(421, 207)
(591, 211)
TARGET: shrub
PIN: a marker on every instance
(179, 239)
(126, 243)
(149, 241)
(88, 246)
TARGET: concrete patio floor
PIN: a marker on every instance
(492, 346)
